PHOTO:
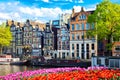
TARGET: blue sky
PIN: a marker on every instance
(42, 10)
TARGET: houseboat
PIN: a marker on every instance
(49, 62)
(7, 59)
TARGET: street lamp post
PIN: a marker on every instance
(83, 52)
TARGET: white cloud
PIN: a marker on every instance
(41, 12)
(80, 1)
(21, 13)
(45, 0)
(86, 8)
(77, 8)
(17, 15)
(4, 16)
(71, 1)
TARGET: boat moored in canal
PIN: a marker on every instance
(42, 62)
(7, 60)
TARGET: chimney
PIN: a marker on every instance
(82, 9)
(12, 22)
(27, 22)
(18, 24)
(73, 11)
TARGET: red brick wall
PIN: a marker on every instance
(114, 53)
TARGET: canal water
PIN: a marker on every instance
(7, 69)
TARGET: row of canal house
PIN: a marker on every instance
(64, 38)
(27, 38)
(37, 39)
(56, 38)
(78, 45)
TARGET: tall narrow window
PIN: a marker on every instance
(84, 16)
(72, 46)
(87, 55)
(93, 47)
(77, 27)
(87, 26)
(72, 36)
(82, 35)
(73, 27)
(77, 50)
(82, 48)
(77, 46)
(92, 26)
(82, 55)
(82, 26)
(73, 55)
(82, 51)
(87, 47)
(77, 37)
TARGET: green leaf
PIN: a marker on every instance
(107, 21)
(5, 36)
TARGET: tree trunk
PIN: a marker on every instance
(109, 48)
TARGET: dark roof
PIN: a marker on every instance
(76, 14)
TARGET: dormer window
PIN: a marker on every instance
(82, 17)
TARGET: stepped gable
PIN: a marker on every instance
(33, 23)
(75, 14)
(37, 24)
(9, 23)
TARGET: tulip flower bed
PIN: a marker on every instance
(74, 73)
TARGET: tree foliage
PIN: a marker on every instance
(107, 21)
(5, 36)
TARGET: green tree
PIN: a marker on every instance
(5, 36)
(107, 22)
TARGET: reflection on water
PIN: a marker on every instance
(7, 69)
